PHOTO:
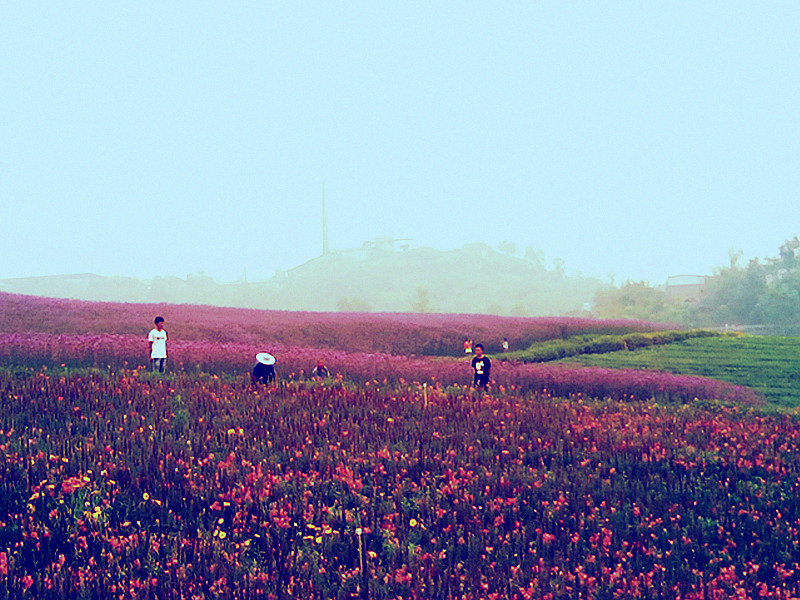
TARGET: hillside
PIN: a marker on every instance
(374, 278)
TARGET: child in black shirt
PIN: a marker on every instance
(482, 366)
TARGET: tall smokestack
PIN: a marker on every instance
(324, 223)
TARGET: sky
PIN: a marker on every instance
(633, 140)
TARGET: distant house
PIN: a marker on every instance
(686, 288)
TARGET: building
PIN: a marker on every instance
(686, 288)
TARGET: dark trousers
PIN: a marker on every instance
(481, 381)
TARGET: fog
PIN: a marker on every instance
(636, 139)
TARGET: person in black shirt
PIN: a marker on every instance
(482, 366)
(264, 371)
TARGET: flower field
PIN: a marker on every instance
(391, 479)
(120, 485)
(119, 351)
(391, 333)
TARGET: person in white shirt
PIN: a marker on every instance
(158, 345)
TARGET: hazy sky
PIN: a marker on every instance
(640, 138)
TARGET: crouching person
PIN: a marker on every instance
(264, 371)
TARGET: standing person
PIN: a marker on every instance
(157, 338)
(505, 344)
(467, 346)
(264, 371)
(482, 366)
(320, 370)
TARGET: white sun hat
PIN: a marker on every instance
(265, 358)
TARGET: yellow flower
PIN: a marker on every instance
(413, 522)
(146, 496)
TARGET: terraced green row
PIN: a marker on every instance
(768, 364)
(554, 349)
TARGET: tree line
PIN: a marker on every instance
(763, 293)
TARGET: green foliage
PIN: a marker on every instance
(583, 344)
(768, 364)
(733, 295)
(639, 300)
(422, 301)
(762, 293)
(345, 304)
(600, 344)
(180, 414)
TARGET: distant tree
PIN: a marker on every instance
(167, 289)
(780, 305)
(519, 310)
(560, 266)
(751, 287)
(788, 252)
(639, 300)
(734, 255)
(507, 247)
(201, 288)
(532, 255)
(733, 295)
(422, 301)
(352, 305)
(761, 293)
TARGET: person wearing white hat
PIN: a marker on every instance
(264, 371)
(320, 370)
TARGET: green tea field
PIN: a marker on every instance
(770, 365)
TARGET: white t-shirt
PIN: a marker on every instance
(159, 339)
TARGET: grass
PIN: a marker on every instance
(554, 349)
(768, 364)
